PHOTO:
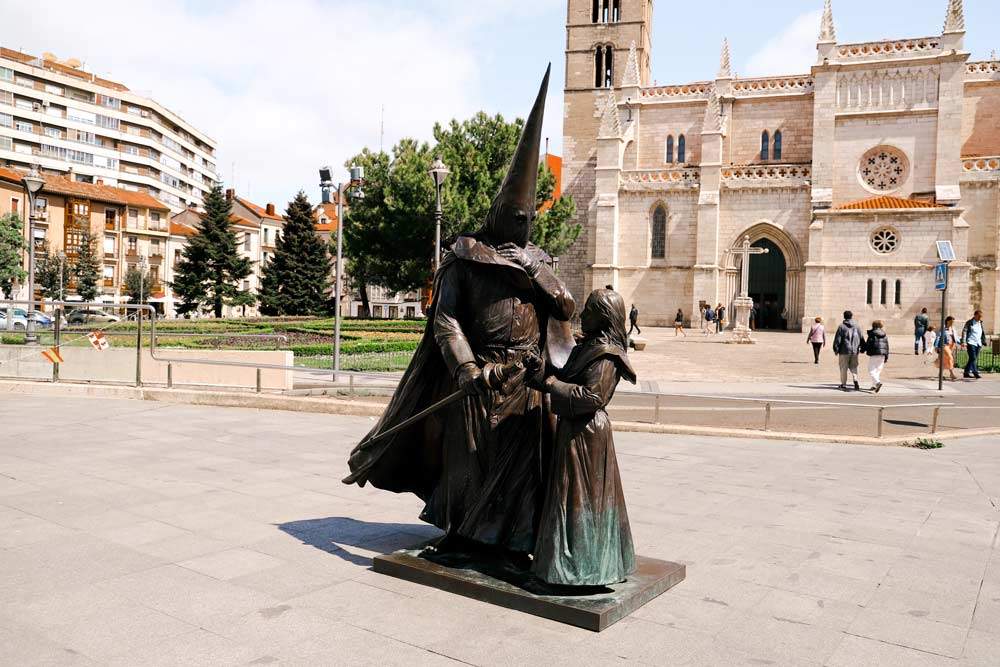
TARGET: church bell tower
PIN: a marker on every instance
(599, 36)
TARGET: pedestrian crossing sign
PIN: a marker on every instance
(941, 276)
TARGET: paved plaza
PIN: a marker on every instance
(136, 533)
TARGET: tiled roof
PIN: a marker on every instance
(105, 193)
(10, 175)
(180, 229)
(330, 211)
(884, 202)
(259, 210)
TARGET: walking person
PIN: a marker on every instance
(817, 338)
(920, 324)
(679, 324)
(973, 338)
(847, 343)
(877, 347)
(720, 318)
(929, 347)
(633, 318)
(945, 346)
(709, 318)
(753, 317)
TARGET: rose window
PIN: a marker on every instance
(885, 240)
(883, 169)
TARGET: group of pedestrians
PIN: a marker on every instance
(947, 343)
(712, 319)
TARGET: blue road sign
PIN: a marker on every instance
(941, 276)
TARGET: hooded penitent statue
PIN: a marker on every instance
(478, 463)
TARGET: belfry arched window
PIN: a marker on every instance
(604, 66)
(777, 145)
(658, 237)
(681, 150)
(765, 145)
(668, 157)
(595, 14)
(616, 11)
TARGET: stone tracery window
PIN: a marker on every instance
(658, 237)
(777, 145)
(884, 240)
(765, 145)
(681, 149)
(669, 156)
(883, 169)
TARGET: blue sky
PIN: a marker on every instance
(285, 87)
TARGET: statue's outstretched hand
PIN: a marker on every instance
(518, 255)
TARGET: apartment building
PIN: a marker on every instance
(129, 228)
(56, 115)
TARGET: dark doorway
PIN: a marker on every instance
(767, 286)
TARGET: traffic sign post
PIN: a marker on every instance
(946, 253)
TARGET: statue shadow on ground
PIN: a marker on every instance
(332, 534)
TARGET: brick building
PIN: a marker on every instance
(847, 174)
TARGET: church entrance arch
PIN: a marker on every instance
(775, 278)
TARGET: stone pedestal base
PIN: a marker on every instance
(742, 334)
(499, 583)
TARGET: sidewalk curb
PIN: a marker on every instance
(360, 408)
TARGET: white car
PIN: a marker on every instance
(20, 323)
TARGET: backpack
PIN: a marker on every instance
(709, 315)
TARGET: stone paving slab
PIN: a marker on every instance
(223, 536)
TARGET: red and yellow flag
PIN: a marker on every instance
(52, 354)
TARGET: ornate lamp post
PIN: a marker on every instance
(32, 185)
(439, 172)
(352, 189)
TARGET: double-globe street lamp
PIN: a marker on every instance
(352, 189)
(32, 183)
(439, 172)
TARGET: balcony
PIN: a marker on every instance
(110, 226)
(109, 282)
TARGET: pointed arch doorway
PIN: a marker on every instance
(768, 276)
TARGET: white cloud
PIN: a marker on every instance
(282, 87)
(791, 52)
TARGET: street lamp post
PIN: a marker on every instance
(32, 185)
(438, 171)
(352, 188)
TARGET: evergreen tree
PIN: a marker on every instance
(51, 275)
(87, 269)
(296, 279)
(137, 285)
(208, 275)
(552, 230)
(12, 247)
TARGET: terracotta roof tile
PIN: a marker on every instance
(104, 193)
(10, 175)
(259, 210)
(885, 202)
(330, 211)
(180, 229)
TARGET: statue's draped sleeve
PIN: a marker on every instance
(596, 387)
(448, 334)
(558, 299)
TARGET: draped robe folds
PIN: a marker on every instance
(584, 538)
(476, 464)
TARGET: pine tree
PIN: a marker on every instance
(11, 252)
(210, 270)
(137, 285)
(296, 280)
(51, 275)
(87, 269)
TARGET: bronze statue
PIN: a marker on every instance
(469, 429)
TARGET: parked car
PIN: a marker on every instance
(43, 320)
(91, 316)
(20, 323)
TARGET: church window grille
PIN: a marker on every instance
(884, 240)
(871, 286)
(777, 145)
(658, 241)
(883, 169)
(681, 149)
(883, 292)
(669, 157)
(899, 293)
(765, 145)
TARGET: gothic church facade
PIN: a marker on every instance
(847, 174)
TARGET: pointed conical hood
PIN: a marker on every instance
(517, 193)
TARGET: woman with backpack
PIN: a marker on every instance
(877, 347)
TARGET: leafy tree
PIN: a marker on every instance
(137, 285)
(88, 268)
(208, 275)
(552, 230)
(296, 280)
(51, 274)
(12, 247)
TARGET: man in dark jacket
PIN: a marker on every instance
(847, 343)
(973, 338)
(877, 348)
(633, 318)
(920, 324)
